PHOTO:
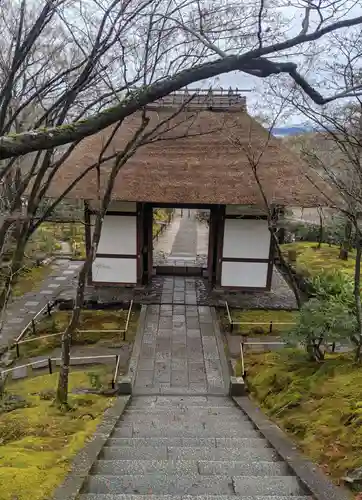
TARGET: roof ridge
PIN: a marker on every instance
(203, 99)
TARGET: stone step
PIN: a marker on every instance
(189, 424)
(174, 416)
(146, 402)
(160, 484)
(96, 496)
(205, 468)
(187, 453)
(173, 431)
(203, 453)
(194, 484)
(190, 442)
(220, 411)
(271, 485)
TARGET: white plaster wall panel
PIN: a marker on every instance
(244, 210)
(246, 239)
(244, 274)
(119, 235)
(114, 270)
(115, 205)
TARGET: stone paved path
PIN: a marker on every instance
(184, 243)
(179, 352)
(21, 311)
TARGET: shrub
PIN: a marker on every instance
(322, 321)
(335, 284)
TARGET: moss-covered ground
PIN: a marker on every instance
(253, 318)
(30, 280)
(37, 443)
(312, 260)
(318, 405)
(100, 321)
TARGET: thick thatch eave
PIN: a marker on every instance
(204, 157)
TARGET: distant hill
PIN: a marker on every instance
(294, 130)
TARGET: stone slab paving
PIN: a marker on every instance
(179, 352)
(185, 242)
(21, 310)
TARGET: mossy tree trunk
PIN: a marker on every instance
(357, 294)
(314, 349)
(321, 228)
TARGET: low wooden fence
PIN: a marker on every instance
(49, 363)
(19, 342)
(270, 324)
(46, 310)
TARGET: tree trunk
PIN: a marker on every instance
(13, 274)
(62, 390)
(357, 293)
(346, 245)
(321, 229)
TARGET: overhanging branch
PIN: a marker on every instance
(250, 62)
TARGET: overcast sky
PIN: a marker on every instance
(258, 96)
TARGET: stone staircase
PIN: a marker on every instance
(191, 447)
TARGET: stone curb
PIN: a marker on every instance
(84, 460)
(220, 345)
(126, 382)
(308, 473)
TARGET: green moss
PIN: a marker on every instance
(39, 442)
(30, 280)
(311, 260)
(253, 317)
(99, 321)
(160, 216)
(319, 405)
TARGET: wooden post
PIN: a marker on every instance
(50, 365)
(17, 350)
(271, 327)
(33, 326)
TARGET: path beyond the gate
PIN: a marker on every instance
(184, 243)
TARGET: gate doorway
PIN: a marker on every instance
(184, 240)
(180, 245)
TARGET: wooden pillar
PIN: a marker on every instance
(211, 246)
(220, 230)
(140, 243)
(144, 242)
(88, 236)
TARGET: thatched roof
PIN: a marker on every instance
(204, 157)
